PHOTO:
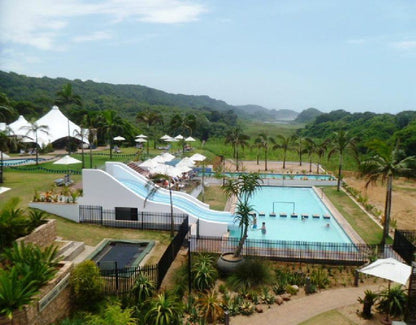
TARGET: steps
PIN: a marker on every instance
(70, 250)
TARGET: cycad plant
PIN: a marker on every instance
(210, 307)
(164, 310)
(204, 274)
(143, 288)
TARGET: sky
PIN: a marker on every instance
(354, 55)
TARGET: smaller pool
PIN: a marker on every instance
(111, 254)
(17, 162)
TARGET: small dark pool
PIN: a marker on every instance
(120, 254)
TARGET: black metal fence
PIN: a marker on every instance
(310, 252)
(142, 220)
(404, 244)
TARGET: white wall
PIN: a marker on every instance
(68, 211)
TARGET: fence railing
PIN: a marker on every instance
(142, 220)
(404, 244)
(312, 252)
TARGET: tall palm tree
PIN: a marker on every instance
(33, 129)
(265, 141)
(342, 141)
(237, 139)
(310, 149)
(387, 163)
(300, 150)
(284, 144)
(243, 188)
(112, 122)
(321, 148)
(150, 118)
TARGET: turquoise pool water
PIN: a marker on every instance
(17, 162)
(279, 176)
(287, 200)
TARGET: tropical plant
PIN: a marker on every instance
(164, 310)
(387, 163)
(237, 139)
(265, 141)
(310, 148)
(370, 297)
(36, 218)
(285, 143)
(392, 301)
(33, 129)
(203, 273)
(342, 140)
(299, 148)
(111, 123)
(151, 119)
(209, 305)
(251, 273)
(13, 223)
(86, 285)
(65, 96)
(321, 148)
(143, 288)
(243, 188)
(112, 314)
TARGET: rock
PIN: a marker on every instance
(258, 309)
(295, 287)
(286, 296)
(279, 300)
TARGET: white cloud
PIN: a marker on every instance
(405, 45)
(97, 36)
(39, 23)
(16, 61)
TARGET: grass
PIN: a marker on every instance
(215, 197)
(329, 317)
(368, 230)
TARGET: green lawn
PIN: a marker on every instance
(215, 197)
(368, 230)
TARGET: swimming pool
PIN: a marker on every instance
(279, 176)
(286, 201)
(17, 162)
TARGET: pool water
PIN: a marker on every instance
(288, 200)
(17, 162)
(279, 176)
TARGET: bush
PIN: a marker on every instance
(393, 301)
(251, 273)
(86, 285)
(112, 314)
(204, 274)
(164, 310)
(143, 288)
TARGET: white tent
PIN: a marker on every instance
(189, 139)
(198, 157)
(59, 126)
(18, 127)
(67, 160)
(167, 156)
(5, 156)
(187, 162)
(149, 163)
(165, 137)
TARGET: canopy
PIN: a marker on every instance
(18, 126)
(179, 137)
(166, 170)
(170, 139)
(140, 140)
(67, 160)
(165, 137)
(59, 126)
(141, 136)
(187, 162)
(198, 157)
(189, 139)
(119, 138)
(167, 156)
(149, 163)
(5, 156)
(390, 269)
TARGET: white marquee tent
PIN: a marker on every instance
(18, 127)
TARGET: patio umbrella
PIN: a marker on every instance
(119, 138)
(187, 162)
(165, 137)
(189, 139)
(198, 157)
(170, 139)
(388, 268)
(149, 163)
(166, 170)
(67, 160)
(141, 136)
(179, 137)
(167, 156)
(4, 155)
(141, 140)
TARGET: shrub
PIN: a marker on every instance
(164, 311)
(320, 278)
(209, 306)
(13, 223)
(250, 273)
(36, 218)
(204, 273)
(86, 285)
(392, 301)
(143, 288)
(246, 308)
(112, 314)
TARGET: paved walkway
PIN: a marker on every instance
(299, 310)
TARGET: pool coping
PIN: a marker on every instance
(140, 257)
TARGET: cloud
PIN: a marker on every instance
(16, 61)
(405, 45)
(92, 37)
(39, 23)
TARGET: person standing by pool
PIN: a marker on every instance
(254, 222)
(263, 228)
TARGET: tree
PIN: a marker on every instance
(33, 128)
(7, 112)
(150, 118)
(65, 97)
(112, 122)
(387, 162)
(236, 138)
(300, 150)
(321, 148)
(243, 188)
(265, 141)
(284, 144)
(342, 141)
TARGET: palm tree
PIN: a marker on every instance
(243, 188)
(300, 150)
(164, 311)
(285, 145)
(387, 162)
(265, 141)
(112, 122)
(310, 149)
(150, 118)
(342, 141)
(34, 128)
(321, 148)
(236, 138)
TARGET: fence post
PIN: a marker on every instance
(142, 221)
(101, 215)
(116, 269)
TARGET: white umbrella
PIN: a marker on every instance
(141, 136)
(166, 156)
(141, 140)
(119, 138)
(390, 269)
(187, 162)
(4, 155)
(179, 137)
(149, 163)
(67, 160)
(166, 170)
(170, 139)
(165, 137)
(189, 139)
(198, 157)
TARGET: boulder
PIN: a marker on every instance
(258, 309)
(279, 300)
(286, 296)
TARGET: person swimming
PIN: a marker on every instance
(254, 222)
(263, 228)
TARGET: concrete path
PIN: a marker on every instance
(299, 310)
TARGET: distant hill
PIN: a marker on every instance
(263, 114)
(308, 115)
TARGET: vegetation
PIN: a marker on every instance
(393, 301)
